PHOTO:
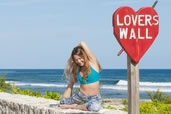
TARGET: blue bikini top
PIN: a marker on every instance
(92, 77)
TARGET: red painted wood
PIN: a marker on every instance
(142, 29)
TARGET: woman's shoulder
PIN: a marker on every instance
(95, 67)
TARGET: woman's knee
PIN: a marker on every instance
(65, 101)
(93, 107)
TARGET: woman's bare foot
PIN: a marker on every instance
(66, 106)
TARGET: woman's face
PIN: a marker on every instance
(79, 60)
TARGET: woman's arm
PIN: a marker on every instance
(68, 91)
(91, 56)
(89, 53)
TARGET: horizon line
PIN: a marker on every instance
(63, 69)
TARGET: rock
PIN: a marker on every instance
(22, 104)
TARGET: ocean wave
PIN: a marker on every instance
(121, 85)
(38, 84)
(141, 88)
(124, 83)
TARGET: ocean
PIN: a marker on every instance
(113, 81)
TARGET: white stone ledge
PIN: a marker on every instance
(22, 104)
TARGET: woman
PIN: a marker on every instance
(84, 67)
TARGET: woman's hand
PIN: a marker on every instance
(82, 43)
(89, 53)
(92, 59)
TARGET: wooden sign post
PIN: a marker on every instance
(135, 32)
(133, 87)
(133, 83)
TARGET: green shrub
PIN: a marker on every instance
(15, 90)
(158, 96)
(4, 87)
(30, 92)
(52, 95)
(148, 108)
(11, 88)
(155, 108)
(152, 108)
(125, 109)
(103, 101)
(125, 102)
(25, 92)
(166, 100)
(155, 96)
(110, 107)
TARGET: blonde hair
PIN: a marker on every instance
(72, 68)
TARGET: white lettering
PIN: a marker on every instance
(155, 18)
(148, 19)
(147, 35)
(132, 34)
(134, 20)
(117, 20)
(123, 33)
(139, 34)
(127, 20)
(140, 20)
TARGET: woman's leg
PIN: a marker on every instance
(75, 106)
(77, 101)
(74, 99)
(94, 103)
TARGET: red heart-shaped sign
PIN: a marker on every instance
(135, 31)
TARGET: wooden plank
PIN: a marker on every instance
(133, 87)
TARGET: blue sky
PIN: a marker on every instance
(42, 33)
